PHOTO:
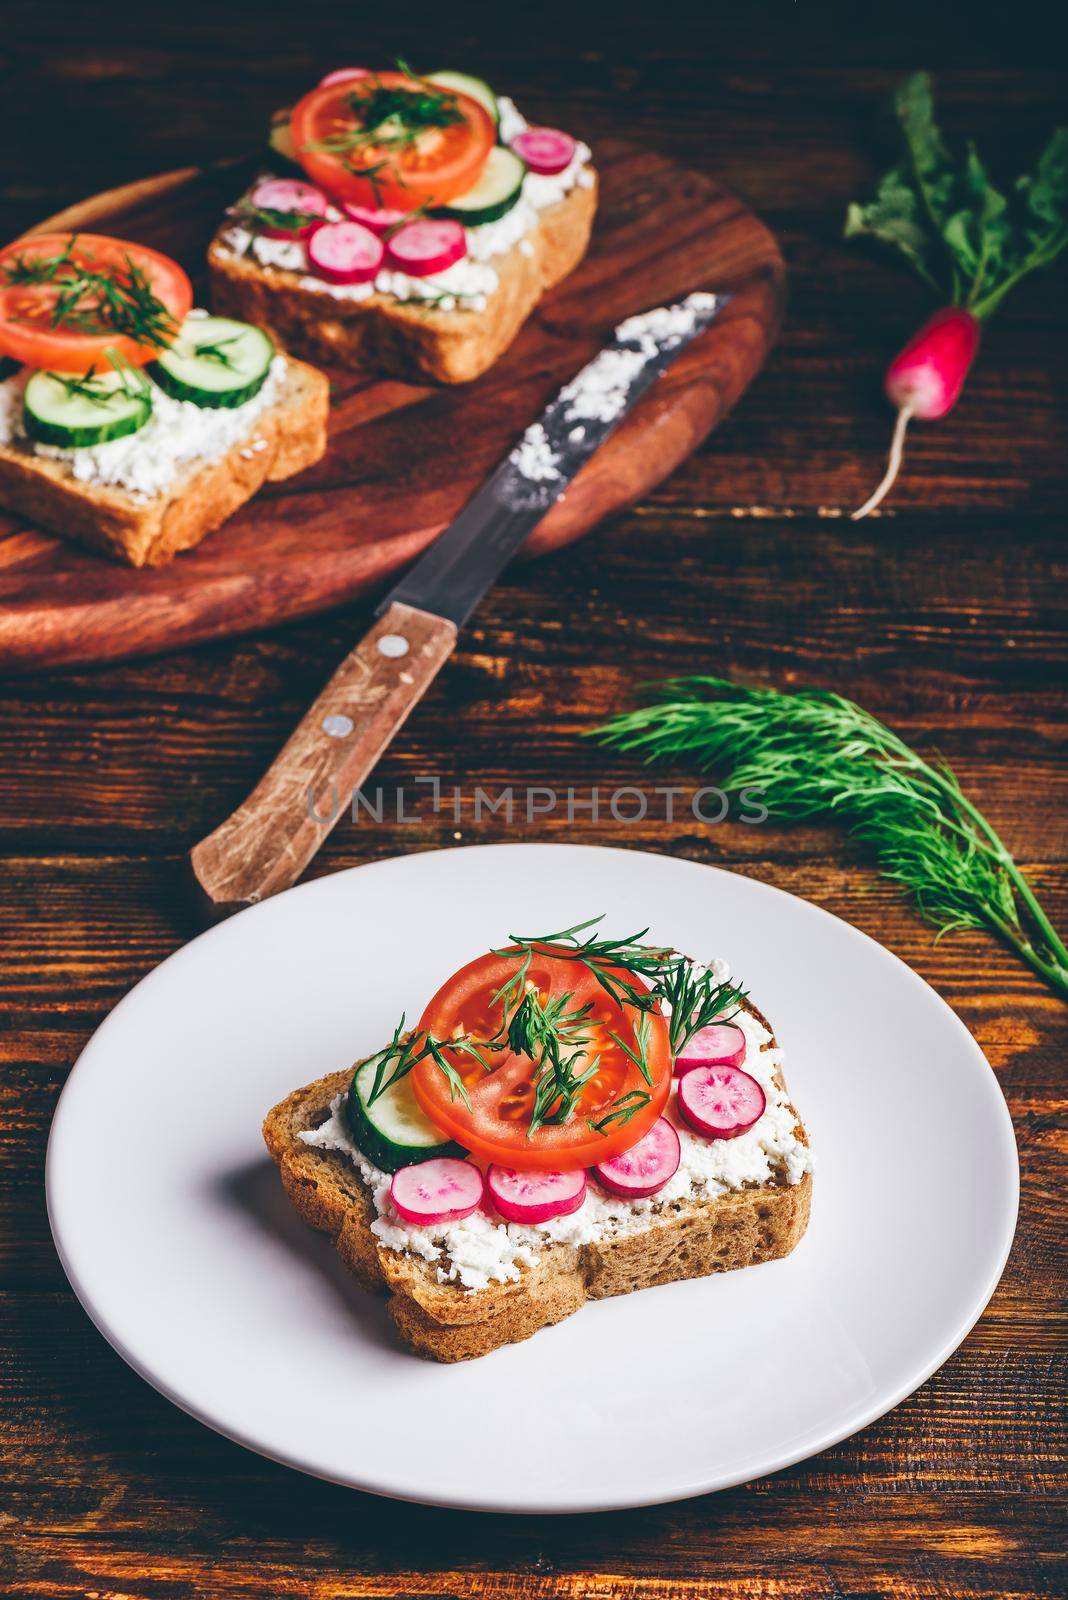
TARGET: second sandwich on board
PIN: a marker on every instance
(130, 420)
(407, 225)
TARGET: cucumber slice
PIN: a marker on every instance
(392, 1130)
(75, 412)
(8, 368)
(499, 187)
(215, 362)
(463, 83)
(280, 143)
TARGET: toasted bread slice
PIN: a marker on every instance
(442, 1320)
(406, 339)
(286, 437)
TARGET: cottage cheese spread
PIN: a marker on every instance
(599, 393)
(468, 284)
(147, 462)
(479, 1251)
(534, 457)
(289, 254)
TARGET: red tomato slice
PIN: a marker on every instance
(409, 167)
(497, 1124)
(86, 333)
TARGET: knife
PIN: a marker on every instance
(267, 842)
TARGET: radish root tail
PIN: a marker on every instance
(893, 465)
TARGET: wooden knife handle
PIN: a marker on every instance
(269, 840)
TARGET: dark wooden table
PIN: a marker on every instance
(945, 616)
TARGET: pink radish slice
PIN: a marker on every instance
(535, 1196)
(441, 1190)
(644, 1168)
(425, 247)
(720, 1102)
(544, 150)
(721, 1044)
(345, 252)
(344, 75)
(379, 221)
(290, 195)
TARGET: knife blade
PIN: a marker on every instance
(267, 842)
(464, 562)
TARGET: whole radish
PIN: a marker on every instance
(970, 242)
(924, 380)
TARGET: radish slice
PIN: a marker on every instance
(290, 195)
(345, 252)
(644, 1168)
(344, 75)
(721, 1102)
(721, 1044)
(442, 1190)
(535, 1196)
(545, 150)
(425, 247)
(379, 221)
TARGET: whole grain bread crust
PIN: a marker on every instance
(284, 439)
(448, 1323)
(406, 339)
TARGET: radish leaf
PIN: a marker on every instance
(961, 234)
(896, 217)
(931, 162)
(1047, 191)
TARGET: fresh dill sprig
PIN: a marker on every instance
(416, 214)
(534, 1026)
(555, 1039)
(816, 754)
(696, 998)
(132, 378)
(435, 1048)
(602, 957)
(398, 1058)
(94, 387)
(373, 174)
(216, 351)
(639, 1056)
(394, 1061)
(40, 269)
(620, 1111)
(557, 1089)
(259, 218)
(88, 387)
(391, 118)
(96, 301)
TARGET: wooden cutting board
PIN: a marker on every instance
(403, 459)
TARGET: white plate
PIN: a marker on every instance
(177, 1238)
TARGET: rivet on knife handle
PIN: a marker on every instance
(269, 840)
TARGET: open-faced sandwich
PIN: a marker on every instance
(128, 419)
(409, 225)
(574, 1117)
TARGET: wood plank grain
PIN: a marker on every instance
(81, 932)
(947, 617)
(171, 1578)
(955, 637)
